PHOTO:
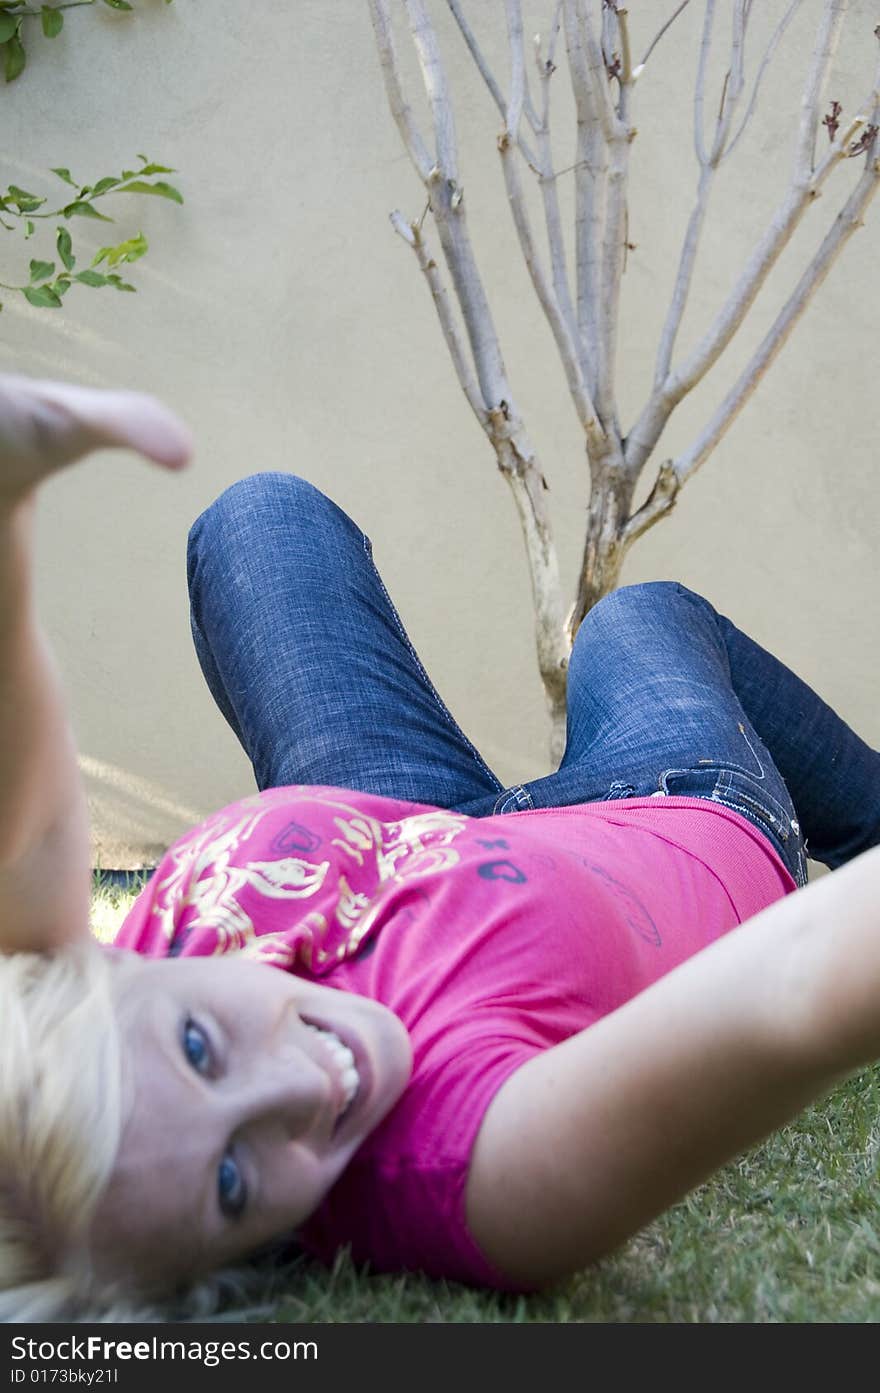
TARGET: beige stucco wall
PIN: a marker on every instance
(289, 326)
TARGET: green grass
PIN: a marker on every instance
(791, 1232)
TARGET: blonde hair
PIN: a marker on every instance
(60, 1126)
(63, 1108)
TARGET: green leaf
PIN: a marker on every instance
(65, 175)
(162, 189)
(61, 285)
(65, 248)
(42, 270)
(119, 4)
(53, 21)
(8, 26)
(43, 297)
(14, 58)
(90, 278)
(132, 250)
(119, 284)
(104, 184)
(154, 169)
(27, 202)
(83, 210)
(29, 229)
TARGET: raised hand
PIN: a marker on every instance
(47, 425)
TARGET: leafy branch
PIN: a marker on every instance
(14, 14)
(47, 283)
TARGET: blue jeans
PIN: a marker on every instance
(310, 664)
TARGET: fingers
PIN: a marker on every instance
(47, 425)
(121, 419)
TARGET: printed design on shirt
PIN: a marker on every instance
(351, 905)
(203, 879)
(490, 845)
(295, 837)
(216, 897)
(635, 913)
(412, 846)
(359, 835)
(501, 870)
(274, 949)
(416, 845)
(279, 950)
(192, 856)
(420, 844)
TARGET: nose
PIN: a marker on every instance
(283, 1089)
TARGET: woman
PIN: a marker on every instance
(513, 1025)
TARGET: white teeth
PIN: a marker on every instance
(344, 1059)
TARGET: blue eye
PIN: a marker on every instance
(231, 1187)
(196, 1046)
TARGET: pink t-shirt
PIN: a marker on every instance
(491, 938)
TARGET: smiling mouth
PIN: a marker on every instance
(343, 1059)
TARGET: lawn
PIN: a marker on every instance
(791, 1232)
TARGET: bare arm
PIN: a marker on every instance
(44, 842)
(590, 1140)
(44, 853)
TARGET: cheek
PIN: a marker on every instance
(292, 1185)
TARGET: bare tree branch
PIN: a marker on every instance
(591, 170)
(549, 303)
(765, 63)
(626, 64)
(683, 279)
(660, 502)
(486, 74)
(547, 66)
(709, 166)
(700, 88)
(619, 137)
(586, 332)
(649, 426)
(596, 68)
(657, 37)
(550, 197)
(412, 234)
(833, 16)
(734, 82)
(848, 220)
(673, 475)
(446, 199)
(400, 108)
(528, 486)
(436, 88)
(490, 396)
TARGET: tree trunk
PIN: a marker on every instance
(611, 493)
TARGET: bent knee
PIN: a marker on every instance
(647, 595)
(623, 616)
(271, 497)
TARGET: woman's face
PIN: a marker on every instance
(252, 1090)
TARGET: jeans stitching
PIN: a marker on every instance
(518, 795)
(438, 700)
(766, 804)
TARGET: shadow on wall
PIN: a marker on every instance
(133, 821)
